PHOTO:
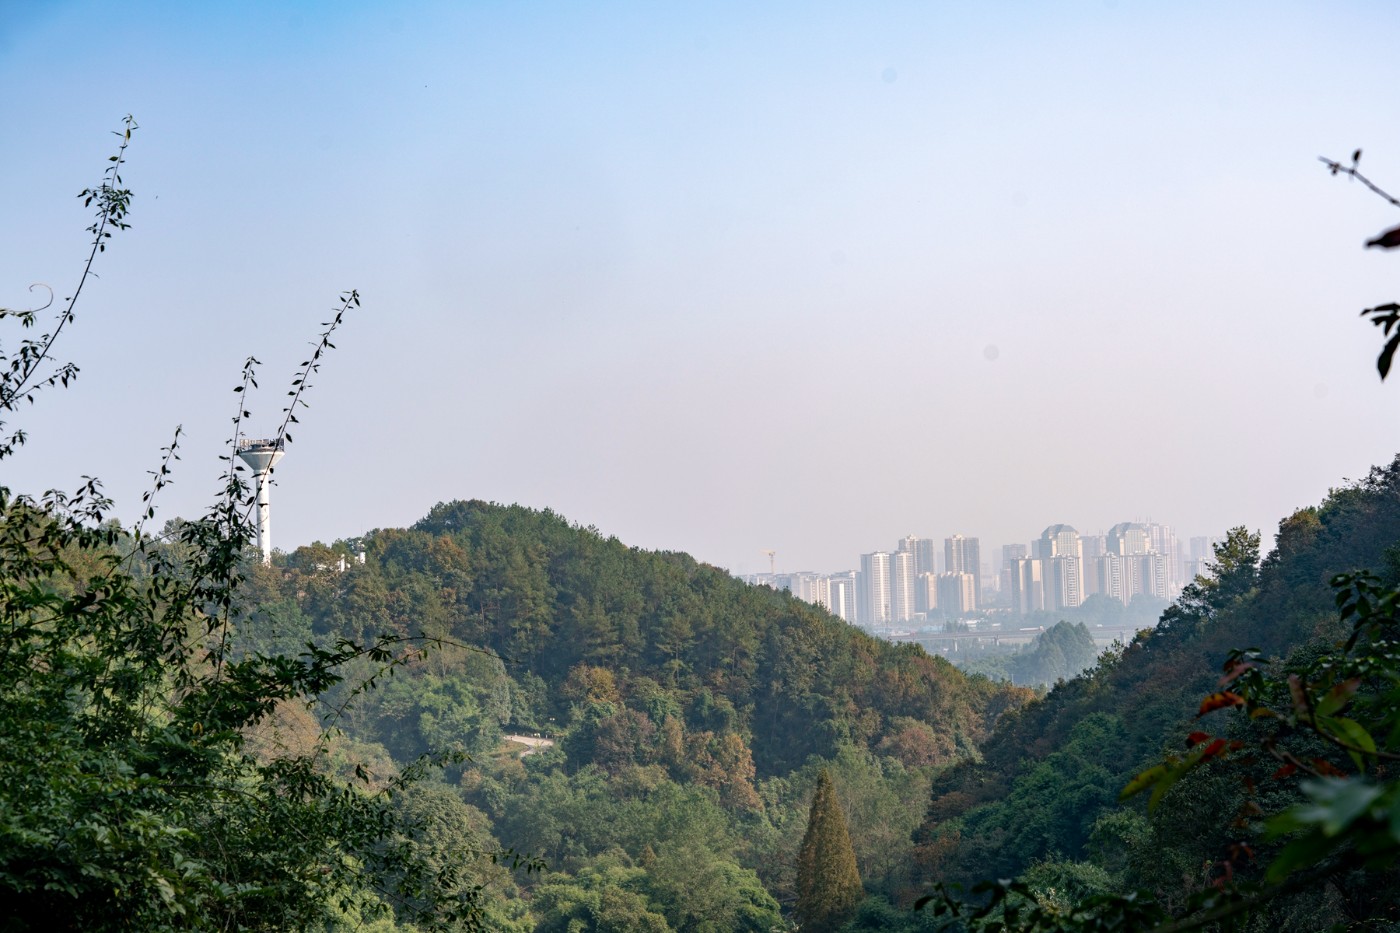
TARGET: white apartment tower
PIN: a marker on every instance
(964, 555)
(1128, 539)
(841, 596)
(926, 593)
(1164, 543)
(1108, 572)
(1064, 577)
(1063, 555)
(902, 586)
(922, 549)
(1027, 584)
(957, 594)
(1010, 553)
(876, 585)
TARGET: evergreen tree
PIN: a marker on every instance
(828, 884)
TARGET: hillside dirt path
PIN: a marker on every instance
(533, 743)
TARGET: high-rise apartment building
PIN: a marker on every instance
(1064, 579)
(926, 593)
(964, 555)
(1063, 574)
(1143, 568)
(1009, 554)
(957, 594)
(1201, 548)
(1107, 571)
(1060, 541)
(903, 582)
(1146, 573)
(1128, 539)
(808, 587)
(1027, 585)
(1052, 577)
(1164, 543)
(1091, 546)
(841, 596)
(876, 584)
(923, 551)
(1200, 555)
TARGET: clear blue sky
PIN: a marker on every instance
(720, 277)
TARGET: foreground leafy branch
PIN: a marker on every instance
(130, 796)
(1385, 316)
(23, 370)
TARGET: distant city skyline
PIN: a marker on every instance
(937, 547)
(1059, 569)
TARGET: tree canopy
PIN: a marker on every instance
(131, 793)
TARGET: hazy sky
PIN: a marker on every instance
(719, 277)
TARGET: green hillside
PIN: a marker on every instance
(1043, 798)
(691, 712)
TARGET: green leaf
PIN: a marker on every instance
(1337, 697)
(1334, 805)
(1173, 775)
(1353, 734)
(1143, 781)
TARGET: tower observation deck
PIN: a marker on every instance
(261, 456)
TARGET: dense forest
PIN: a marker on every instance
(582, 736)
(690, 713)
(1041, 802)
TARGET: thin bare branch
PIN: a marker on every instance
(1337, 168)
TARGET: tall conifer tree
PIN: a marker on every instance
(828, 883)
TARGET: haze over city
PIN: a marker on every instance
(719, 279)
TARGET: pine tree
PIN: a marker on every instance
(828, 884)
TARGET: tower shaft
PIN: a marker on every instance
(265, 516)
(261, 457)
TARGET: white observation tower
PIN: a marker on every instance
(262, 456)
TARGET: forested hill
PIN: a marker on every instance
(691, 714)
(568, 608)
(1048, 785)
